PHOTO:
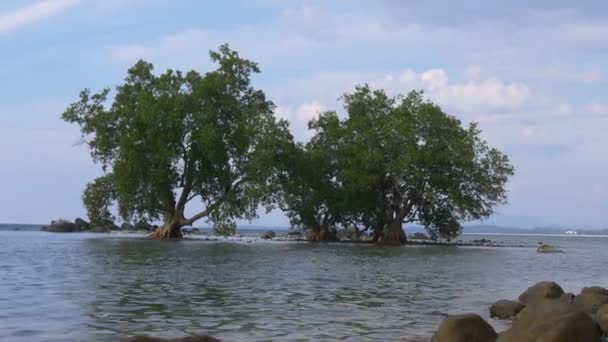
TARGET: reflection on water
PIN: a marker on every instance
(87, 287)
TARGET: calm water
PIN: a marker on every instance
(87, 287)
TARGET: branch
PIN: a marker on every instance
(204, 213)
(183, 198)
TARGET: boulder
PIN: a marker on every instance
(61, 226)
(81, 225)
(551, 321)
(419, 236)
(591, 298)
(542, 290)
(464, 328)
(505, 309)
(269, 235)
(602, 318)
(126, 226)
(548, 249)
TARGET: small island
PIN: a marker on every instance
(211, 142)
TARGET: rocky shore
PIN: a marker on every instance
(544, 312)
(79, 225)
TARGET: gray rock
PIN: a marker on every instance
(62, 226)
(81, 225)
(542, 290)
(126, 226)
(464, 328)
(505, 309)
(551, 321)
(269, 235)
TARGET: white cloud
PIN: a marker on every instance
(299, 117)
(598, 108)
(33, 13)
(563, 108)
(473, 96)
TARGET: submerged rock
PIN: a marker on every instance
(464, 328)
(505, 309)
(591, 299)
(540, 291)
(551, 321)
(548, 249)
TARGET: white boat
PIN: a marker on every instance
(570, 232)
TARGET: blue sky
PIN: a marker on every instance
(535, 76)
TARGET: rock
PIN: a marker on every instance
(505, 309)
(602, 318)
(548, 249)
(81, 225)
(182, 339)
(141, 225)
(112, 226)
(419, 236)
(464, 328)
(542, 290)
(127, 226)
(551, 321)
(62, 226)
(591, 298)
(269, 235)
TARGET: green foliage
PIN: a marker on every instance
(97, 199)
(224, 228)
(171, 138)
(398, 159)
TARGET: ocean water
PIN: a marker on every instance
(96, 287)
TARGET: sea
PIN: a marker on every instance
(107, 287)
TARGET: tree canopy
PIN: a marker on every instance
(166, 140)
(396, 160)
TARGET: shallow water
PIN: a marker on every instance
(89, 287)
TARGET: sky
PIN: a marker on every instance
(534, 75)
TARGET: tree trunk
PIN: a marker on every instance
(393, 233)
(322, 234)
(170, 230)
